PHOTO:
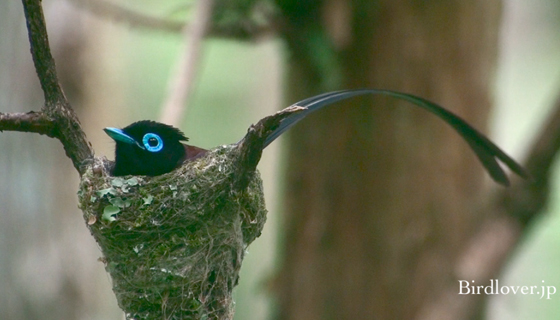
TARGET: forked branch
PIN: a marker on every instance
(56, 118)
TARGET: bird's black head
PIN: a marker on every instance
(147, 148)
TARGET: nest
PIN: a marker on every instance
(174, 243)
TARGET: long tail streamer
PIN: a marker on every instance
(487, 152)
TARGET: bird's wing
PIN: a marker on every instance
(487, 152)
(192, 152)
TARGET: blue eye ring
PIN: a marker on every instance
(146, 141)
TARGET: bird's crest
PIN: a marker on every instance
(139, 128)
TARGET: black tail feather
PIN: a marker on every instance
(487, 152)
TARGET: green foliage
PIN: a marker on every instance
(241, 18)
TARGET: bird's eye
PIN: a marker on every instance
(152, 142)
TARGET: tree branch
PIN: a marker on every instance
(134, 19)
(36, 122)
(528, 198)
(488, 250)
(42, 57)
(240, 30)
(251, 146)
(181, 85)
(56, 119)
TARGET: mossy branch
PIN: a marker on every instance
(252, 145)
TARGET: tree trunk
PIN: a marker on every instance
(381, 197)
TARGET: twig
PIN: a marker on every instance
(239, 31)
(182, 83)
(134, 19)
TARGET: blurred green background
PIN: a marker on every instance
(527, 84)
(125, 73)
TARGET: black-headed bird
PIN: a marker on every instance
(151, 148)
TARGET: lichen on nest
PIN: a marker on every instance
(174, 243)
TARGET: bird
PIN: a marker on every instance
(151, 148)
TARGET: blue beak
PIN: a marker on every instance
(119, 136)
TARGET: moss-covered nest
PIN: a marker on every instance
(174, 243)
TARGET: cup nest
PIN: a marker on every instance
(173, 244)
